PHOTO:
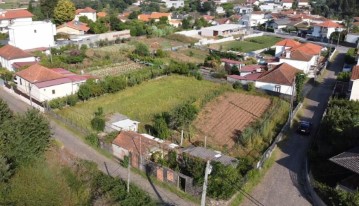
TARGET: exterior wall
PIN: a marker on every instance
(90, 16)
(111, 36)
(316, 31)
(301, 65)
(284, 89)
(287, 5)
(354, 94)
(6, 22)
(8, 63)
(119, 152)
(68, 30)
(303, 4)
(175, 4)
(45, 94)
(352, 38)
(30, 36)
(324, 32)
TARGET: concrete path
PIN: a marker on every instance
(81, 150)
(283, 183)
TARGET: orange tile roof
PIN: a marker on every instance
(144, 17)
(288, 43)
(10, 52)
(37, 73)
(85, 10)
(16, 13)
(330, 24)
(309, 48)
(157, 15)
(282, 74)
(300, 56)
(101, 14)
(77, 25)
(355, 73)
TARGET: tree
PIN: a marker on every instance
(142, 49)
(84, 92)
(5, 112)
(114, 23)
(299, 84)
(98, 122)
(183, 115)
(64, 11)
(186, 24)
(161, 127)
(47, 7)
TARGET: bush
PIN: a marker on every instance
(72, 100)
(93, 140)
(350, 56)
(58, 103)
(237, 85)
(251, 86)
(344, 76)
(161, 126)
(98, 122)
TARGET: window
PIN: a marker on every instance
(20, 82)
(53, 91)
(277, 88)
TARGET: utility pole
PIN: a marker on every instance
(206, 173)
(128, 174)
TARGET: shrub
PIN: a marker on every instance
(161, 126)
(344, 76)
(237, 85)
(58, 103)
(98, 122)
(251, 86)
(93, 140)
(72, 100)
(183, 115)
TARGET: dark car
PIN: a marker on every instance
(304, 127)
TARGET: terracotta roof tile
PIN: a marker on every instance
(309, 48)
(101, 14)
(16, 13)
(230, 61)
(85, 10)
(288, 43)
(282, 74)
(19, 65)
(251, 68)
(10, 52)
(37, 73)
(355, 73)
(330, 24)
(77, 25)
(300, 55)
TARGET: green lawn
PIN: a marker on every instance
(250, 44)
(143, 101)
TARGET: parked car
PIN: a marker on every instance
(347, 68)
(304, 127)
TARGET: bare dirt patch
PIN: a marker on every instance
(227, 116)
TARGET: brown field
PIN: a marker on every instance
(227, 116)
(189, 55)
(158, 42)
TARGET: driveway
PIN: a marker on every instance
(283, 182)
(78, 148)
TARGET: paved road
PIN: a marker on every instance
(78, 148)
(283, 183)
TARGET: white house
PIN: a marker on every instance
(88, 12)
(243, 9)
(221, 30)
(325, 29)
(287, 4)
(220, 10)
(256, 17)
(32, 35)
(174, 3)
(303, 3)
(271, 7)
(280, 79)
(44, 84)
(354, 80)
(11, 16)
(10, 55)
(352, 38)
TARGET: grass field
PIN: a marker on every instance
(250, 44)
(159, 43)
(189, 55)
(143, 101)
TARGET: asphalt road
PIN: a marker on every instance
(283, 183)
(81, 150)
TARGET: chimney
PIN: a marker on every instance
(287, 54)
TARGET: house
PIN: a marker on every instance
(88, 12)
(12, 16)
(303, 3)
(220, 10)
(256, 17)
(250, 69)
(283, 45)
(354, 81)
(73, 28)
(32, 35)
(243, 9)
(222, 21)
(119, 122)
(279, 79)
(101, 14)
(10, 55)
(271, 7)
(138, 146)
(279, 23)
(348, 160)
(44, 84)
(352, 38)
(209, 154)
(154, 15)
(221, 30)
(287, 4)
(228, 64)
(325, 29)
(174, 3)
